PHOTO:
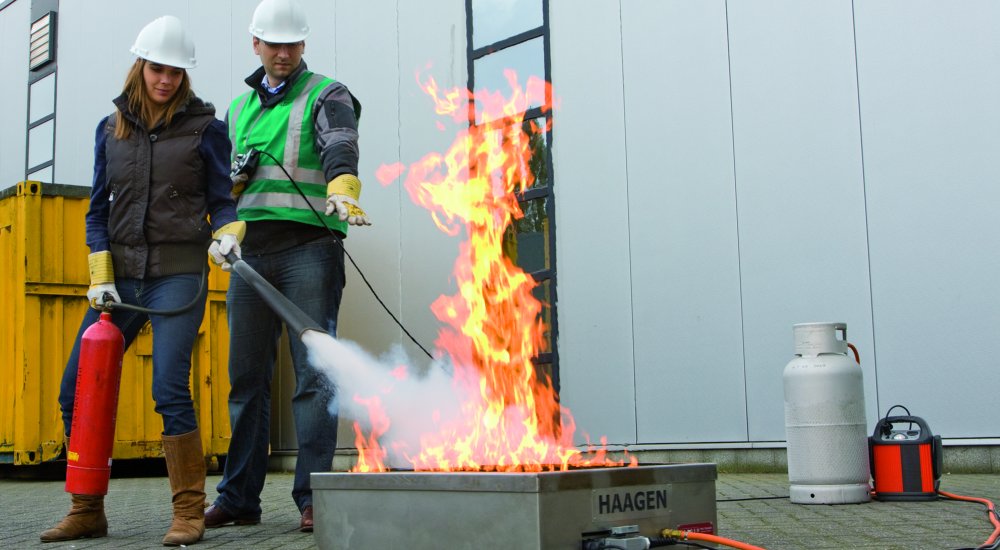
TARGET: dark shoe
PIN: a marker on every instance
(306, 525)
(215, 516)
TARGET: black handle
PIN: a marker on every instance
(884, 426)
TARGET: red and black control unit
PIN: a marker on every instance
(905, 459)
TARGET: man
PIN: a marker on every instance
(307, 123)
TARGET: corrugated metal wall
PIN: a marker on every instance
(753, 163)
(764, 163)
(14, 25)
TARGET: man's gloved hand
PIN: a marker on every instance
(102, 279)
(227, 239)
(244, 164)
(239, 184)
(342, 195)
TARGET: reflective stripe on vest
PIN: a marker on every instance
(234, 115)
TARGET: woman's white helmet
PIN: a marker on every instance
(279, 22)
(164, 41)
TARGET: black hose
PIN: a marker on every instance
(295, 319)
(346, 253)
(110, 304)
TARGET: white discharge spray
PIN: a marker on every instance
(386, 390)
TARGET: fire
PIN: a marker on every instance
(511, 419)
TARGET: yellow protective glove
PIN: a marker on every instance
(239, 184)
(102, 279)
(342, 195)
(227, 239)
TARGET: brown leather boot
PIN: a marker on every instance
(85, 519)
(186, 468)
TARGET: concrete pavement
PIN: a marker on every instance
(138, 510)
(778, 524)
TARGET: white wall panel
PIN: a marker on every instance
(372, 74)
(682, 217)
(15, 22)
(930, 83)
(800, 194)
(93, 59)
(592, 220)
(431, 42)
(222, 47)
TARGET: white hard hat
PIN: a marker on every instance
(279, 22)
(164, 41)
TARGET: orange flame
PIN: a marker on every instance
(371, 456)
(512, 419)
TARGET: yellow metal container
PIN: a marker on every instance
(43, 294)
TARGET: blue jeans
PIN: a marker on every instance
(312, 277)
(173, 340)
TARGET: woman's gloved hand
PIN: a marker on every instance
(102, 279)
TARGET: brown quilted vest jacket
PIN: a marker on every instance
(157, 220)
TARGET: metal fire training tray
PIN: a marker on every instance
(531, 510)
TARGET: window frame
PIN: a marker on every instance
(39, 10)
(548, 275)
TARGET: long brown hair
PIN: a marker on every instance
(142, 106)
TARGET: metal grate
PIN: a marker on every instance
(41, 50)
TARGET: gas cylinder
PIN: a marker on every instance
(825, 418)
(99, 371)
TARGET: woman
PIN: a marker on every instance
(161, 171)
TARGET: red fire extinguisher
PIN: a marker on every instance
(92, 435)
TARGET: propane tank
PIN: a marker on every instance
(825, 419)
(99, 372)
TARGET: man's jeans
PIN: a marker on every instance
(312, 277)
(173, 340)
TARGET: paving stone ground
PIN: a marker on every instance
(138, 510)
(778, 524)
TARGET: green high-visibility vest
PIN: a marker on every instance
(286, 132)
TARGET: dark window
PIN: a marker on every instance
(514, 35)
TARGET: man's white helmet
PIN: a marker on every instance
(279, 22)
(164, 41)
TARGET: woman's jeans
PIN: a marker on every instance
(312, 277)
(173, 340)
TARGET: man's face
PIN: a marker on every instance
(279, 60)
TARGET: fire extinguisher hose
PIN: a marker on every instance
(340, 242)
(296, 319)
(993, 541)
(110, 304)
